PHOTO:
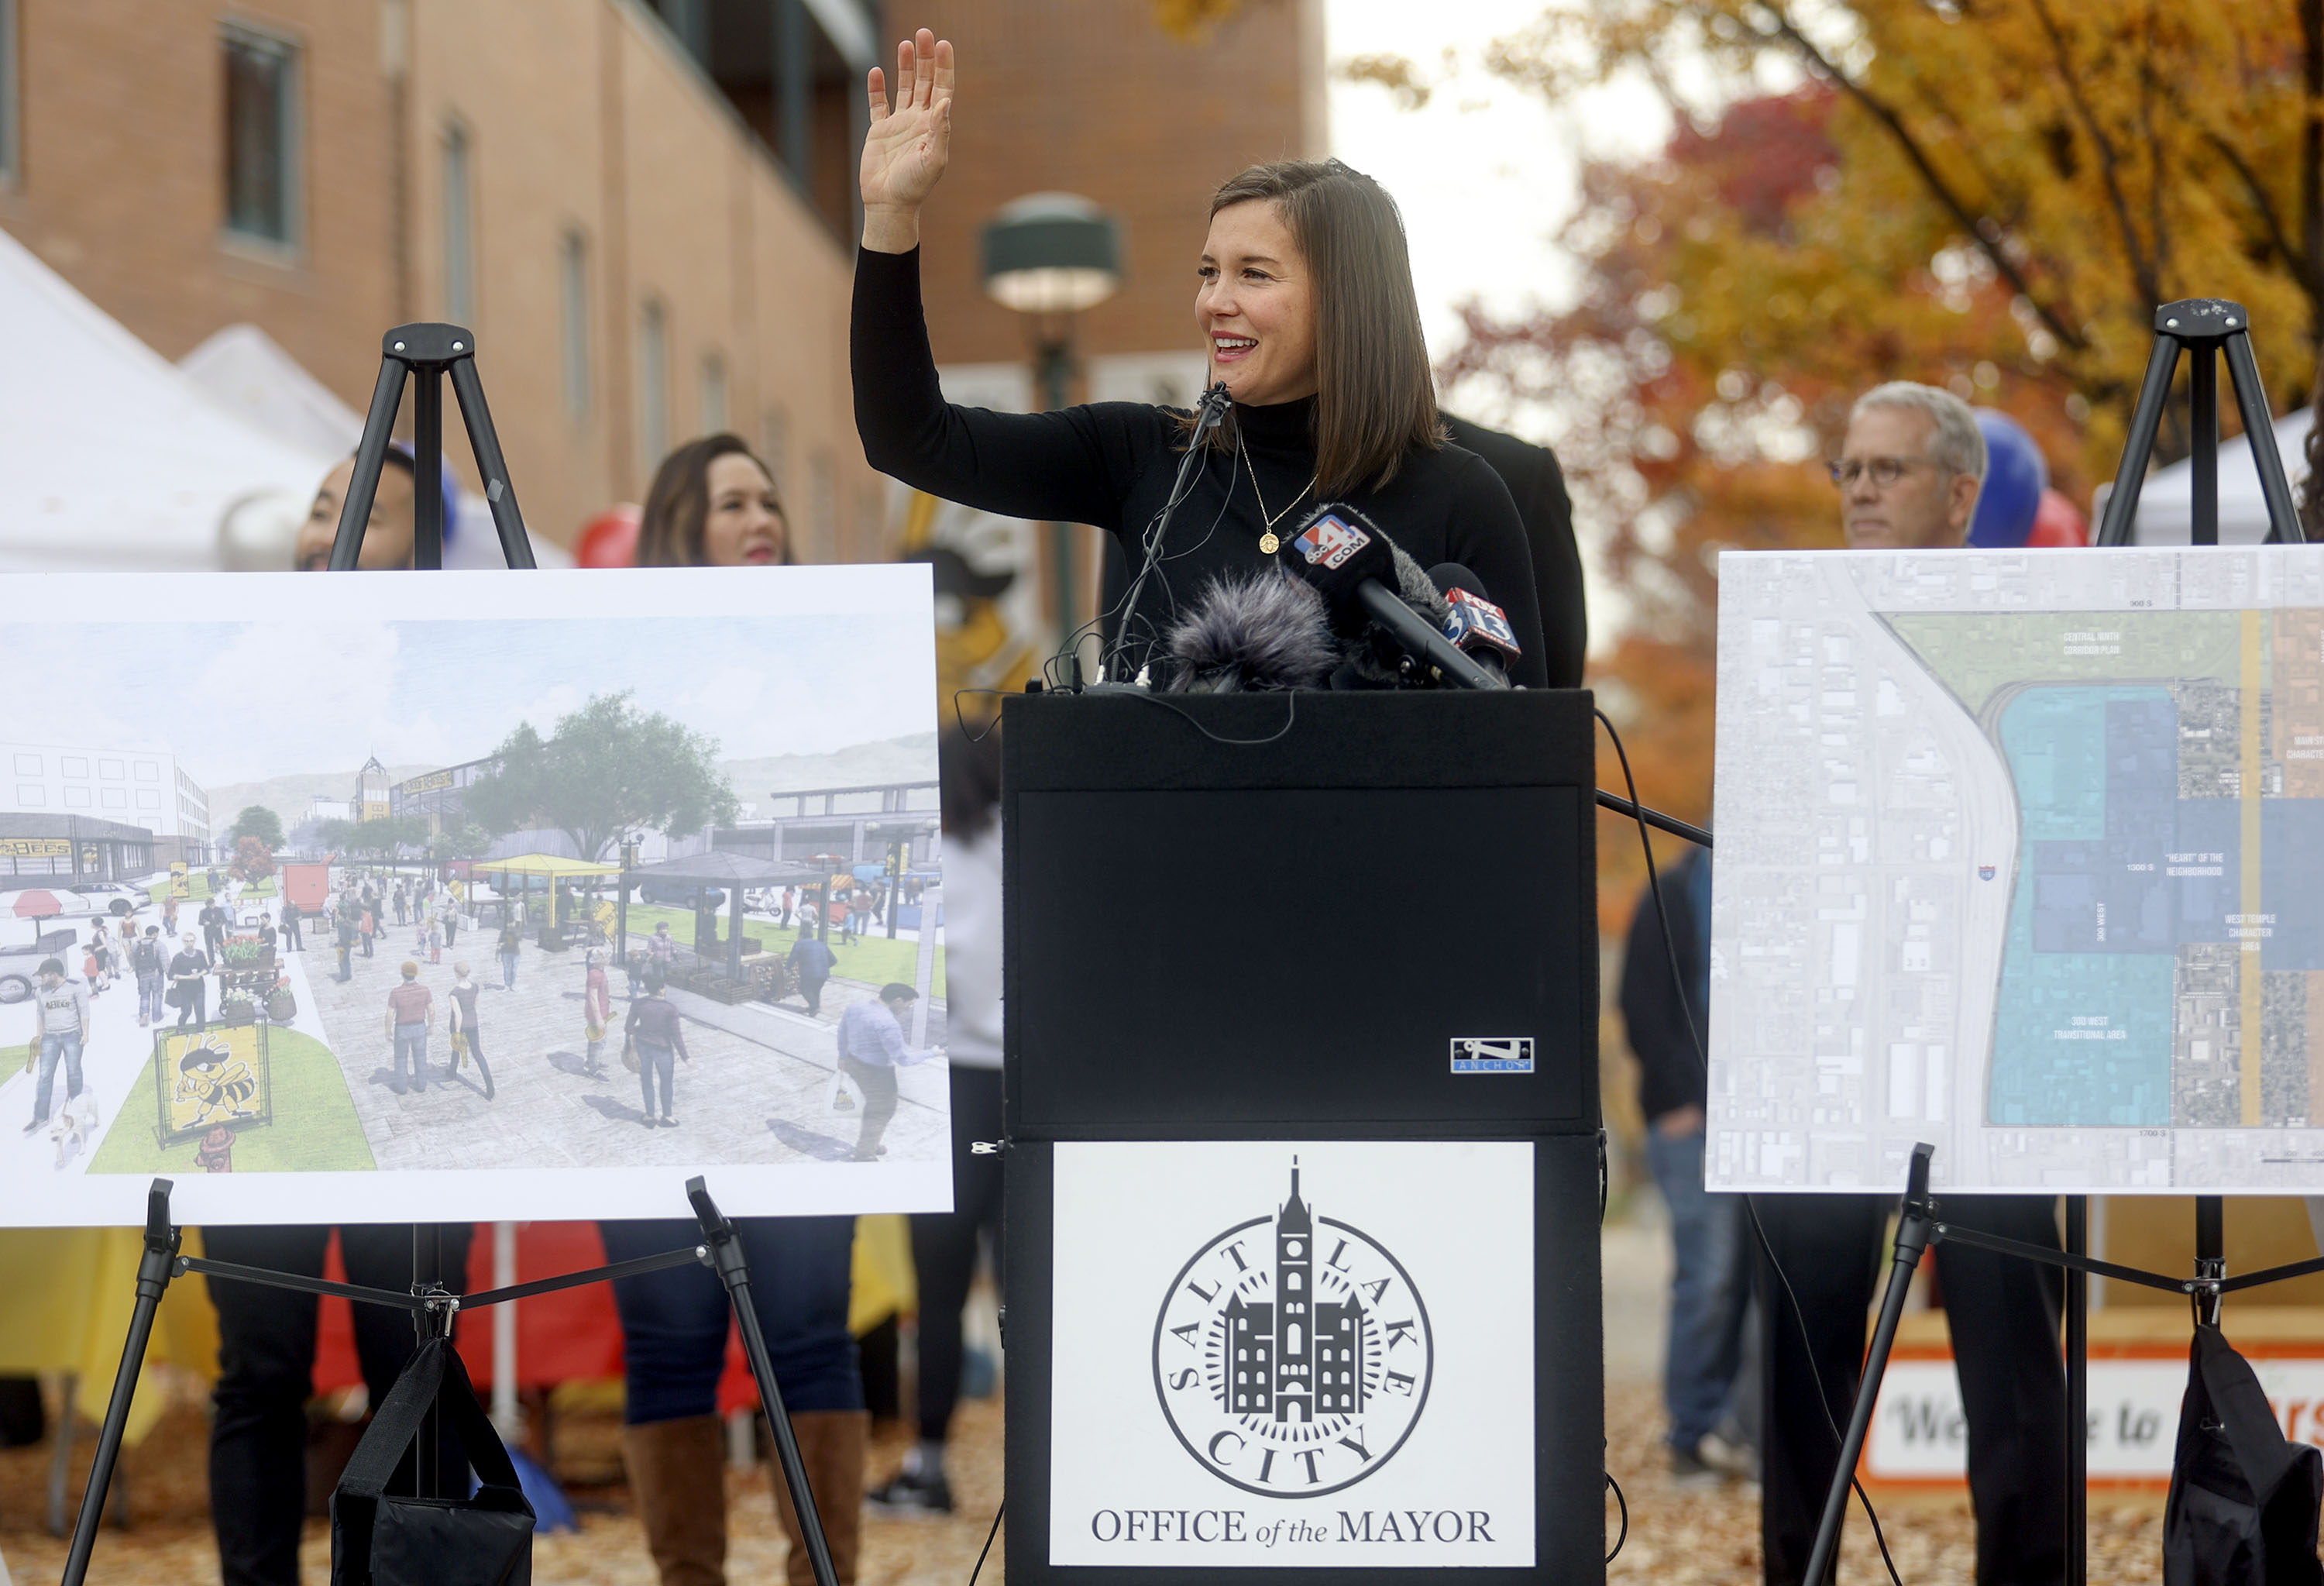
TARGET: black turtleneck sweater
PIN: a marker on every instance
(1112, 464)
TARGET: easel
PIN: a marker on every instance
(427, 354)
(2204, 329)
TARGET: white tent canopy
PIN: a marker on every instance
(110, 457)
(2166, 502)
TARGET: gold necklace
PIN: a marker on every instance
(1268, 543)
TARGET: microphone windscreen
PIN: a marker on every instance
(1250, 633)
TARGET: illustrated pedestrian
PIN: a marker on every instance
(170, 917)
(399, 903)
(189, 991)
(409, 1006)
(658, 1032)
(790, 901)
(347, 930)
(467, 1035)
(811, 960)
(290, 915)
(433, 930)
(512, 943)
(60, 1015)
(369, 922)
(871, 1049)
(662, 949)
(266, 936)
(451, 911)
(149, 959)
(213, 923)
(596, 1009)
(841, 913)
(99, 963)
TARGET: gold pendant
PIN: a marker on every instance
(1268, 545)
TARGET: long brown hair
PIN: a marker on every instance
(1375, 399)
(677, 506)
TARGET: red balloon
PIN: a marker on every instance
(610, 540)
(2058, 522)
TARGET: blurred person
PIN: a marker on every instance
(713, 503)
(1908, 473)
(292, 914)
(812, 962)
(345, 931)
(1306, 305)
(512, 947)
(1710, 1288)
(467, 1035)
(60, 1029)
(596, 1009)
(388, 538)
(100, 959)
(1537, 485)
(659, 1034)
(945, 1244)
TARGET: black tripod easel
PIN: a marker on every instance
(427, 352)
(2204, 329)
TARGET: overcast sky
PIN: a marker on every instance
(1485, 172)
(240, 702)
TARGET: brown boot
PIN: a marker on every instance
(831, 1446)
(677, 1475)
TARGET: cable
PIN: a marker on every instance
(1623, 1502)
(1702, 1059)
(989, 1535)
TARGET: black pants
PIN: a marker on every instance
(266, 1372)
(945, 1243)
(2004, 1315)
(195, 1011)
(877, 1080)
(811, 992)
(291, 942)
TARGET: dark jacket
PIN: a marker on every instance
(812, 959)
(1670, 1073)
(1537, 485)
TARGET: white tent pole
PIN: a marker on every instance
(507, 1419)
(924, 974)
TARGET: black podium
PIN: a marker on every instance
(1304, 1161)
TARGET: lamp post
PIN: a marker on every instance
(1049, 256)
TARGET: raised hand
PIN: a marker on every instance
(904, 152)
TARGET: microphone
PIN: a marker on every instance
(1210, 412)
(1473, 623)
(1350, 562)
(1255, 633)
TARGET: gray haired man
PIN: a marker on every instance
(1909, 472)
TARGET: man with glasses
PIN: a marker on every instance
(1909, 472)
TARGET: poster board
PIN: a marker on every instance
(2018, 853)
(282, 1097)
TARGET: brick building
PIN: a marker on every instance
(564, 176)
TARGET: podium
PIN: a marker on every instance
(1304, 1165)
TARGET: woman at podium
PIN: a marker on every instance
(1303, 300)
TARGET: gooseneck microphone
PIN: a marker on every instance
(1350, 562)
(1210, 412)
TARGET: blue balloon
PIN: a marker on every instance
(2015, 476)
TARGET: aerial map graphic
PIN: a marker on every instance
(2021, 853)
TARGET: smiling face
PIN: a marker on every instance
(743, 527)
(1926, 509)
(387, 539)
(1257, 306)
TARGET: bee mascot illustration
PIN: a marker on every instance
(214, 1084)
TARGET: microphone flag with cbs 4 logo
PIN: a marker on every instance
(1345, 608)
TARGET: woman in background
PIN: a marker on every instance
(713, 504)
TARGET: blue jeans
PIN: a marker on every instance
(655, 1060)
(674, 1322)
(65, 1044)
(412, 1038)
(148, 997)
(1709, 1290)
(508, 971)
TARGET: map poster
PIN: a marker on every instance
(2021, 853)
(313, 901)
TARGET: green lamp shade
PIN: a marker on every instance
(1052, 254)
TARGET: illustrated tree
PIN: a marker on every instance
(465, 841)
(336, 835)
(607, 767)
(254, 860)
(258, 821)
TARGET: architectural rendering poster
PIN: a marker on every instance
(1299, 1354)
(332, 867)
(2018, 854)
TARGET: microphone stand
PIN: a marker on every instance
(1209, 414)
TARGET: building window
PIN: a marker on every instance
(31, 795)
(29, 765)
(110, 769)
(73, 765)
(714, 395)
(653, 385)
(573, 278)
(459, 229)
(8, 163)
(261, 136)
